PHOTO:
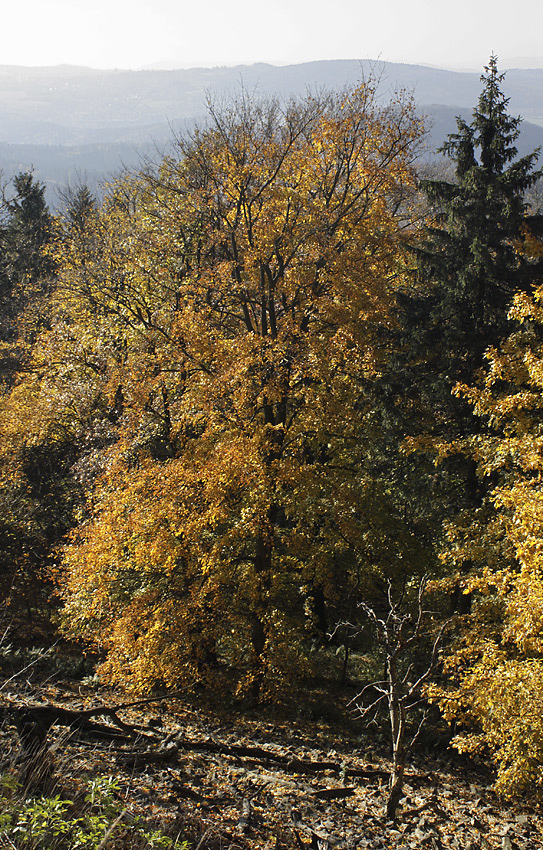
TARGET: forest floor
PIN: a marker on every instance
(230, 781)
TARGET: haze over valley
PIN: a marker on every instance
(73, 123)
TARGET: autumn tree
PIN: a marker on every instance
(47, 419)
(229, 306)
(495, 672)
(26, 277)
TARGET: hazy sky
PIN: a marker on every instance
(135, 33)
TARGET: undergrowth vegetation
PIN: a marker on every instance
(98, 819)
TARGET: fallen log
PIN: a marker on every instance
(34, 721)
(35, 759)
(244, 755)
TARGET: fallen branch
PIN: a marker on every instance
(33, 722)
(334, 793)
(246, 755)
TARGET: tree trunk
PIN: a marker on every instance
(396, 788)
(260, 612)
(397, 728)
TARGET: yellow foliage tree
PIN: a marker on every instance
(497, 666)
(225, 311)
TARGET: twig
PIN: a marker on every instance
(111, 829)
(28, 666)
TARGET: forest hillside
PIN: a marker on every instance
(270, 479)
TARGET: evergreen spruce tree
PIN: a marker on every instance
(25, 270)
(468, 263)
(470, 258)
(79, 204)
(26, 231)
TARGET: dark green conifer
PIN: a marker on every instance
(26, 231)
(468, 264)
(469, 259)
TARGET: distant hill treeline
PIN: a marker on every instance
(70, 123)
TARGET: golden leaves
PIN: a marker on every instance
(222, 314)
(498, 675)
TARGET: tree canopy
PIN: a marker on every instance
(222, 316)
(272, 394)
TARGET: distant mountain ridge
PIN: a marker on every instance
(69, 120)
